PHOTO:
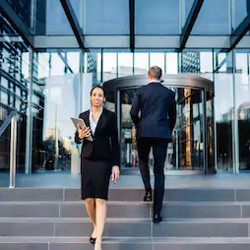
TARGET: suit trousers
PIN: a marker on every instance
(159, 147)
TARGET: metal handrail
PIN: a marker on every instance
(12, 118)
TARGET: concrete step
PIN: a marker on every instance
(126, 227)
(72, 209)
(123, 243)
(126, 194)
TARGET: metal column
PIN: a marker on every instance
(235, 134)
(13, 144)
(29, 126)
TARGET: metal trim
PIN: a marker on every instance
(179, 80)
(29, 122)
(205, 137)
(132, 24)
(73, 21)
(235, 132)
(64, 59)
(192, 16)
(13, 146)
(239, 32)
(7, 122)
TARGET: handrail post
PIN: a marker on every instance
(13, 146)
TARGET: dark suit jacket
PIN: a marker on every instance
(158, 111)
(105, 144)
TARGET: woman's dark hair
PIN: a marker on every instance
(100, 87)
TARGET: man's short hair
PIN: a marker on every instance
(155, 72)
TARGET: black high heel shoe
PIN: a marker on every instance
(92, 240)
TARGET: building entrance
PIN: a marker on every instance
(192, 147)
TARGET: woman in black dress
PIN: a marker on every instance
(99, 160)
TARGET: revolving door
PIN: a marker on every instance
(192, 146)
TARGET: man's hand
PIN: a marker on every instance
(115, 173)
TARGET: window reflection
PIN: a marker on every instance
(73, 59)
(57, 65)
(172, 63)
(141, 63)
(157, 59)
(161, 13)
(241, 8)
(223, 116)
(213, 18)
(243, 108)
(93, 65)
(125, 64)
(106, 17)
(109, 66)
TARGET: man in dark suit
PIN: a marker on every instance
(154, 129)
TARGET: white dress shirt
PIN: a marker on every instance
(92, 122)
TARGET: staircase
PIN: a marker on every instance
(194, 219)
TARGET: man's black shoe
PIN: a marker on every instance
(157, 218)
(148, 196)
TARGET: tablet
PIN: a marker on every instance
(82, 125)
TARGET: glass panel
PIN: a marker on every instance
(242, 94)
(43, 65)
(186, 150)
(210, 131)
(189, 130)
(129, 157)
(213, 18)
(110, 101)
(172, 63)
(241, 8)
(206, 62)
(57, 65)
(141, 63)
(93, 65)
(109, 66)
(56, 21)
(157, 59)
(4, 97)
(73, 59)
(125, 64)
(40, 22)
(25, 65)
(15, 62)
(190, 62)
(78, 7)
(4, 82)
(107, 17)
(23, 9)
(4, 145)
(196, 61)
(53, 131)
(187, 8)
(223, 101)
(163, 14)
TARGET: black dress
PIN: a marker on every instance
(98, 157)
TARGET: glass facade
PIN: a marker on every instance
(163, 14)
(54, 73)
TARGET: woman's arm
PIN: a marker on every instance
(77, 139)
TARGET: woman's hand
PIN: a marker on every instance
(115, 173)
(83, 132)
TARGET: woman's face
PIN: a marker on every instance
(97, 98)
